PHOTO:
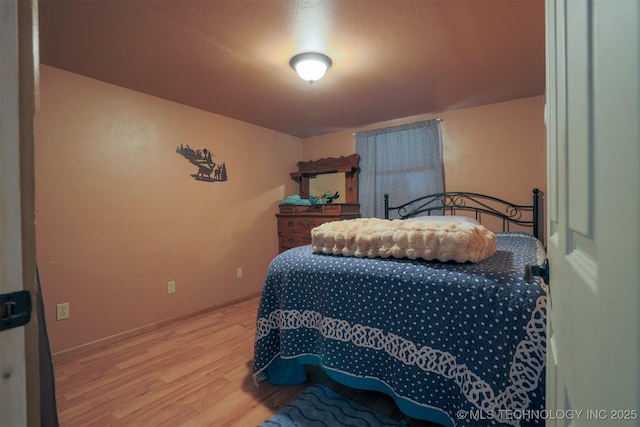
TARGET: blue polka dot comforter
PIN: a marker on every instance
(457, 344)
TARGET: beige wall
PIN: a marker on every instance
(496, 149)
(118, 214)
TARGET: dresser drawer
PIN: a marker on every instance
(300, 224)
(294, 229)
(322, 209)
(293, 240)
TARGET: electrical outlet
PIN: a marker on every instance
(62, 311)
(239, 272)
(171, 287)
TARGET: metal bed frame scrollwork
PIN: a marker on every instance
(454, 201)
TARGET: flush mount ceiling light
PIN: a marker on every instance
(310, 66)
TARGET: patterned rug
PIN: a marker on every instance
(320, 406)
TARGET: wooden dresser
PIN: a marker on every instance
(296, 221)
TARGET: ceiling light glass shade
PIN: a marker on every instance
(310, 66)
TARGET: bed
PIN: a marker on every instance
(453, 343)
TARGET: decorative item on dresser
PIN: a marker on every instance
(295, 221)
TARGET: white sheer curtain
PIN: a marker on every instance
(403, 161)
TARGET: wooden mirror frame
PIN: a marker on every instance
(349, 165)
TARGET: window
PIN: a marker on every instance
(402, 161)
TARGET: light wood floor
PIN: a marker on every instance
(196, 372)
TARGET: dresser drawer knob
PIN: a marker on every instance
(290, 224)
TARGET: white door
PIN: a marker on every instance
(19, 380)
(593, 211)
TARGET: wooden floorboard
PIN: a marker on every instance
(196, 372)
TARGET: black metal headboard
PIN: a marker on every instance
(451, 202)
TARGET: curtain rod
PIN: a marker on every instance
(437, 119)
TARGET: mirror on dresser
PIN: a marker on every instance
(314, 178)
(328, 182)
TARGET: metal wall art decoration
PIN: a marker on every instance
(203, 159)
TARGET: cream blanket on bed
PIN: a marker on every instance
(433, 240)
